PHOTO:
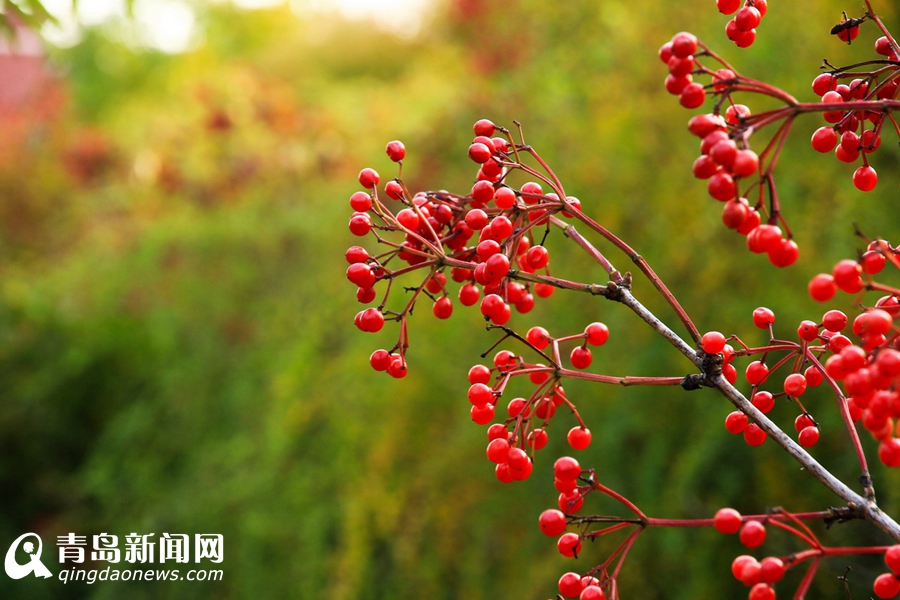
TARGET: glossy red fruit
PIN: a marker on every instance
(569, 544)
(865, 178)
(579, 438)
(396, 151)
(752, 534)
(566, 468)
(552, 522)
(727, 520)
(886, 585)
(581, 357)
(712, 342)
(368, 178)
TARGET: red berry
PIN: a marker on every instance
(537, 257)
(784, 254)
(824, 139)
(570, 585)
(566, 468)
(480, 394)
(726, 7)
(822, 287)
(848, 34)
(370, 320)
(360, 202)
(712, 342)
(808, 330)
(538, 337)
(684, 44)
(396, 151)
(886, 585)
(771, 569)
(408, 219)
(703, 125)
(794, 385)
(498, 450)
(443, 307)
(803, 421)
(736, 422)
(497, 431)
(754, 435)
(756, 372)
(834, 320)
(892, 558)
(544, 290)
(476, 219)
(579, 438)
(727, 520)
(380, 360)
(739, 563)
(570, 503)
(692, 96)
(763, 400)
(753, 534)
(368, 178)
(469, 294)
(592, 592)
(763, 317)
(484, 127)
(569, 544)
(552, 522)
(504, 198)
(479, 152)
(761, 591)
(537, 439)
(823, 84)
(809, 437)
(581, 357)
(482, 415)
(865, 178)
(721, 186)
(597, 334)
(889, 452)
(360, 224)
(747, 18)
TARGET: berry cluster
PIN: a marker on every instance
(856, 102)
(480, 239)
(741, 29)
(761, 575)
(725, 156)
(869, 370)
(854, 130)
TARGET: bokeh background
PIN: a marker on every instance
(177, 349)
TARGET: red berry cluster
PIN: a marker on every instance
(887, 585)
(476, 239)
(741, 29)
(854, 130)
(553, 522)
(761, 575)
(758, 575)
(725, 156)
(856, 102)
(529, 417)
(870, 370)
(586, 587)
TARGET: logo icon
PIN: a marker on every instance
(34, 565)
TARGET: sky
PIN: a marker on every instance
(170, 25)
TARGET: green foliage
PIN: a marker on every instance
(176, 341)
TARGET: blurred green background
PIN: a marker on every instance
(177, 351)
